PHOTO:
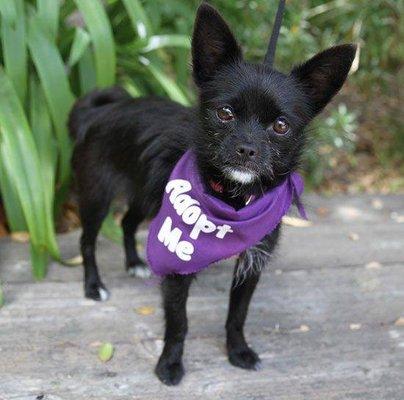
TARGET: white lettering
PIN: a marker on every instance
(190, 212)
(222, 230)
(177, 186)
(182, 202)
(168, 237)
(171, 239)
(202, 225)
(191, 215)
(184, 250)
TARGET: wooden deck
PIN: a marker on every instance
(324, 319)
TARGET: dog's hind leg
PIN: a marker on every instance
(92, 213)
(134, 265)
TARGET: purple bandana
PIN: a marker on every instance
(194, 229)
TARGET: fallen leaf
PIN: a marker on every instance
(304, 328)
(353, 236)
(394, 334)
(322, 211)
(397, 217)
(355, 327)
(72, 217)
(145, 310)
(373, 265)
(399, 322)
(349, 213)
(118, 217)
(296, 222)
(77, 260)
(97, 343)
(105, 352)
(377, 204)
(20, 236)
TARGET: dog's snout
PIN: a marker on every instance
(246, 151)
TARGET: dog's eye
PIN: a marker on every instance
(280, 126)
(225, 114)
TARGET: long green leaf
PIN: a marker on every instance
(86, 72)
(138, 17)
(13, 38)
(22, 163)
(39, 260)
(101, 36)
(59, 97)
(48, 13)
(11, 202)
(131, 87)
(42, 131)
(161, 41)
(80, 44)
(8, 10)
(46, 145)
(168, 84)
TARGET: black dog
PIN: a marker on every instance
(247, 133)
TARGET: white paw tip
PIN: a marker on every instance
(104, 294)
(139, 271)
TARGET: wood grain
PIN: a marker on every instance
(322, 321)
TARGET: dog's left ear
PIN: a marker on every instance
(213, 44)
(323, 75)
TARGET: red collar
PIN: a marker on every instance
(218, 188)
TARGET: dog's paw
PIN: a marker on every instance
(97, 291)
(245, 358)
(139, 271)
(170, 373)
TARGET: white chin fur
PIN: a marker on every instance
(240, 176)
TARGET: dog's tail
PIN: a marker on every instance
(81, 114)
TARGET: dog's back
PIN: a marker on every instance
(86, 108)
(127, 144)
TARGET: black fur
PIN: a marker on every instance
(131, 145)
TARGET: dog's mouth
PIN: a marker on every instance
(243, 176)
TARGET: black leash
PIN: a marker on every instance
(270, 55)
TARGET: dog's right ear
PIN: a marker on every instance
(213, 44)
(324, 74)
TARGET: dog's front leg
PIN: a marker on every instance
(239, 353)
(175, 290)
(246, 275)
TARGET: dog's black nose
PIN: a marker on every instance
(246, 151)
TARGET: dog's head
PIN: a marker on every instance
(252, 116)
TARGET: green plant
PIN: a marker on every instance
(55, 51)
(332, 136)
(50, 54)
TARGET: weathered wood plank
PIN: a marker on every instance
(319, 281)
(56, 327)
(323, 247)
